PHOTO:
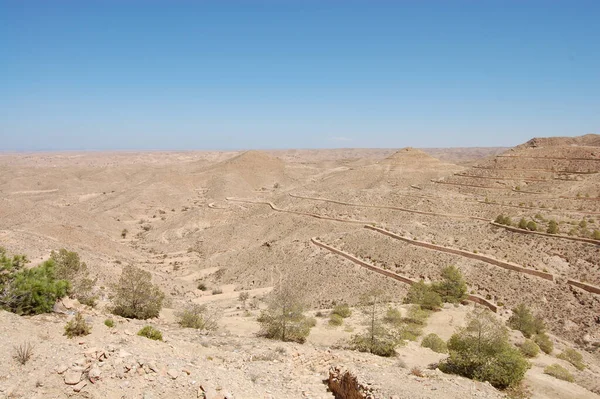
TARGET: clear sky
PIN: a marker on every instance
(130, 74)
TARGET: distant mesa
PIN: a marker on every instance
(588, 140)
(410, 155)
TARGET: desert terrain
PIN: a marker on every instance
(250, 221)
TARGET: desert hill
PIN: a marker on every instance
(245, 222)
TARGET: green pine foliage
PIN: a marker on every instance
(525, 321)
(452, 288)
(29, 291)
(424, 295)
(481, 351)
(69, 267)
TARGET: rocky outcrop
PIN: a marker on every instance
(345, 385)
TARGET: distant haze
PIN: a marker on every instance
(295, 74)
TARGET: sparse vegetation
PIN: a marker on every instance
(573, 357)
(135, 295)
(544, 342)
(335, 320)
(243, 297)
(435, 343)
(525, 321)
(423, 295)
(481, 351)
(23, 352)
(198, 317)
(284, 318)
(342, 310)
(110, 323)
(504, 220)
(452, 288)
(69, 267)
(558, 371)
(77, 327)
(529, 348)
(150, 333)
(377, 339)
(553, 227)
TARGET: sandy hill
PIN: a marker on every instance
(243, 174)
(592, 140)
(409, 156)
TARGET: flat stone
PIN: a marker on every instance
(94, 373)
(173, 373)
(60, 369)
(72, 377)
(79, 386)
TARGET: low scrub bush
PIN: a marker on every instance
(342, 310)
(393, 316)
(558, 371)
(23, 352)
(529, 348)
(573, 357)
(151, 333)
(335, 320)
(544, 342)
(77, 327)
(198, 317)
(423, 295)
(110, 323)
(435, 343)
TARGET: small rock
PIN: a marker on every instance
(173, 373)
(72, 377)
(79, 386)
(61, 368)
(94, 373)
(152, 366)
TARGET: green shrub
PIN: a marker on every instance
(529, 348)
(531, 226)
(573, 357)
(135, 295)
(77, 327)
(381, 343)
(335, 320)
(151, 333)
(544, 342)
(452, 288)
(525, 321)
(311, 322)
(198, 317)
(481, 351)
(435, 343)
(423, 294)
(29, 291)
(110, 323)
(69, 267)
(284, 319)
(342, 310)
(393, 316)
(552, 227)
(558, 371)
(505, 220)
(596, 235)
(522, 223)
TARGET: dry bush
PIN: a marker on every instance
(335, 320)
(573, 357)
(23, 352)
(77, 327)
(417, 372)
(198, 317)
(529, 348)
(135, 295)
(151, 333)
(558, 371)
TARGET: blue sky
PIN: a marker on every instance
(99, 75)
